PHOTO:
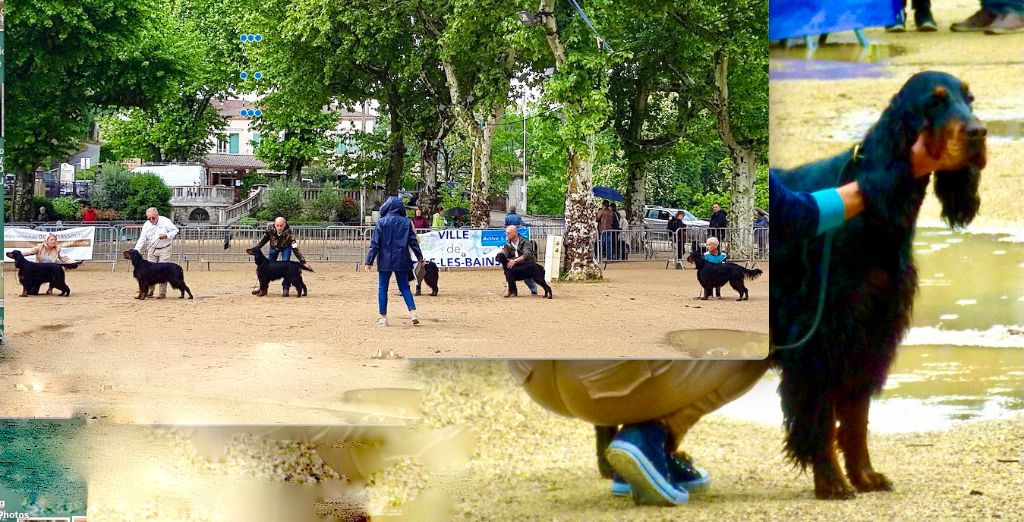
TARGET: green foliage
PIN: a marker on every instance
(326, 204)
(349, 210)
(40, 201)
(251, 179)
(251, 222)
(86, 174)
(72, 59)
(282, 201)
(67, 208)
(320, 173)
(146, 190)
(112, 188)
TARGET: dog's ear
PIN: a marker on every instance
(958, 192)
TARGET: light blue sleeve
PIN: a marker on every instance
(831, 211)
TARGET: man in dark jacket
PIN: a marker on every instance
(675, 224)
(605, 223)
(279, 235)
(718, 223)
(393, 238)
(521, 252)
(513, 218)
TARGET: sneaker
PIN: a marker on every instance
(1006, 23)
(976, 22)
(414, 317)
(898, 28)
(383, 321)
(637, 452)
(924, 21)
(682, 473)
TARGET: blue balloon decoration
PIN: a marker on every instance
(242, 37)
(252, 37)
(257, 75)
(259, 37)
(259, 113)
(243, 112)
(243, 75)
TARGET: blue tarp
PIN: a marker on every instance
(799, 18)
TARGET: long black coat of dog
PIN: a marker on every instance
(529, 271)
(150, 274)
(33, 275)
(715, 275)
(267, 271)
(425, 272)
(831, 378)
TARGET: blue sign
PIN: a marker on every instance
(497, 237)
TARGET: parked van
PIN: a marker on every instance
(176, 174)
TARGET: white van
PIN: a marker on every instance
(176, 174)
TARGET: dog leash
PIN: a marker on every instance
(826, 261)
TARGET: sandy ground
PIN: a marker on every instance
(229, 356)
(806, 116)
(532, 464)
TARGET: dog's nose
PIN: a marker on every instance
(976, 130)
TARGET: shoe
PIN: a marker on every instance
(637, 453)
(924, 21)
(383, 321)
(898, 28)
(414, 317)
(976, 22)
(682, 474)
(1006, 23)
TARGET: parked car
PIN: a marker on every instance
(656, 217)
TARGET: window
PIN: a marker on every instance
(233, 143)
(255, 140)
(222, 144)
(342, 145)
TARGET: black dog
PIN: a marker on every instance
(267, 271)
(426, 271)
(529, 271)
(33, 275)
(712, 276)
(830, 379)
(150, 274)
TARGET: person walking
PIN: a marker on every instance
(677, 230)
(393, 238)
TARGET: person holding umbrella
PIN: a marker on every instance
(437, 221)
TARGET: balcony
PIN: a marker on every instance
(196, 196)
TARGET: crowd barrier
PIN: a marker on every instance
(207, 245)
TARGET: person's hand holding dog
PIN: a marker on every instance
(366, 268)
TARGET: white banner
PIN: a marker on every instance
(76, 243)
(464, 248)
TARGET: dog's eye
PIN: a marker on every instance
(970, 98)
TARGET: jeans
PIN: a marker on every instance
(606, 244)
(532, 285)
(383, 279)
(286, 254)
(1003, 6)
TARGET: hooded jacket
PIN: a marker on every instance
(392, 238)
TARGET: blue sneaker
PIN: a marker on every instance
(682, 474)
(638, 455)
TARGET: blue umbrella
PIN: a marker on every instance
(608, 193)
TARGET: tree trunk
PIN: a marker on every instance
(481, 191)
(580, 220)
(396, 153)
(636, 160)
(23, 192)
(636, 192)
(744, 165)
(428, 165)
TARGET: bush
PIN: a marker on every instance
(40, 201)
(320, 174)
(67, 209)
(327, 203)
(112, 188)
(253, 179)
(107, 214)
(282, 200)
(86, 174)
(349, 210)
(146, 190)
(251, 222)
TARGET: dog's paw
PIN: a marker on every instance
(871, 481)
(833, 490)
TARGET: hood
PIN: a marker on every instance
(393, 206)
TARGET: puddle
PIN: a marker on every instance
(719, 344)
(1005, 129)
(832, 61)
(964, 356)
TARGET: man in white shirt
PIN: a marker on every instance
(158, 232)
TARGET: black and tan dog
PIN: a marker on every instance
(828, 381)
(427, 272)
(527, 271)
(33, 275)
(150, 274)
(712, 276)
(267, 271)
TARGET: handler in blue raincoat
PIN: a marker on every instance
(393, 238)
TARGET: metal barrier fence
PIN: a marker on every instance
(349, 244)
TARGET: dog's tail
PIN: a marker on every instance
(72, 266)
(752, 274)
(306, 268)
